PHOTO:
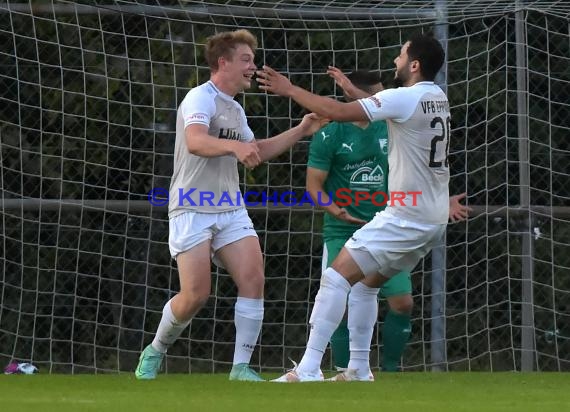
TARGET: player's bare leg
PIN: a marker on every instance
(195, 286)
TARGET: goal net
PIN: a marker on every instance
(89, 92)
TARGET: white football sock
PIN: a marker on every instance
(326, 316)
(169, 329)
(362, 316)
(247, 319)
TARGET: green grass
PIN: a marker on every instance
(421, 392)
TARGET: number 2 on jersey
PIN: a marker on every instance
(446, 130)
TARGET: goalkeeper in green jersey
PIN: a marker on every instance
(346, 158)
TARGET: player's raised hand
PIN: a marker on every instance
(347, 217)
(273, 82)
(311, 123)
(350, 90)
(341, 80)
(457, 211)
(248, 154)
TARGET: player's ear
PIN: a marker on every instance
(415, 66)
(222, 62)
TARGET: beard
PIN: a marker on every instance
(401, 77)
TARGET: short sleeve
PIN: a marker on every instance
(393, 104)
(198, 107)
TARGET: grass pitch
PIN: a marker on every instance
(418, 392)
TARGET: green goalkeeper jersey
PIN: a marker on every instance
(356, 160)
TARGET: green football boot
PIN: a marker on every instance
(242, 372)
(149, 363)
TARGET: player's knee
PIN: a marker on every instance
(191, 302)
(401, 303)
(258, 279)
(251, 285)
(345, 264)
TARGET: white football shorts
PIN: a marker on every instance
(388, 244)
(192, 228)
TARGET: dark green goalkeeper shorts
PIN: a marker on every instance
(399, 284)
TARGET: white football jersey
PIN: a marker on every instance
(207, 184)
(419, 125)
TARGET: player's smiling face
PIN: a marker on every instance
(241, 67)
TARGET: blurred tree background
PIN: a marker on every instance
(89, 96)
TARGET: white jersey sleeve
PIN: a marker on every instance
(198, 107)
(389, 104)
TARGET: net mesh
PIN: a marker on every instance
(89, 95)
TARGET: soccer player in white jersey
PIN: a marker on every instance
(207, 218)
(397, 238)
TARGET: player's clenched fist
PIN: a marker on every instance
(248, 154)
(311, 123)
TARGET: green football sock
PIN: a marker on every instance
(340, 346)
(395, 334)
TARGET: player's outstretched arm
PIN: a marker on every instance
(457, 211)
(274, 82)
(274, 146)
